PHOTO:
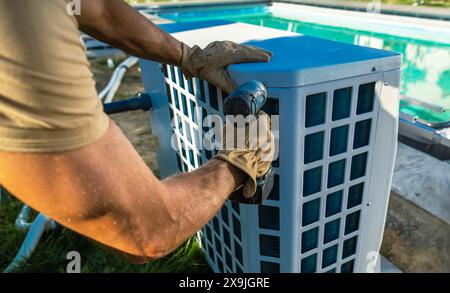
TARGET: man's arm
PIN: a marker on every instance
(107, 193)
(118, 24)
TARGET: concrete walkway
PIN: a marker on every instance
(405, 10)
(423, 180)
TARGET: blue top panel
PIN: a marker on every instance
(301, 52)
(299, 60)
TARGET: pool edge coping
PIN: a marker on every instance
(388, 9)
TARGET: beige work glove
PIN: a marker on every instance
(210, 63)
(250, 149)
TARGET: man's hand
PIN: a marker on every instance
(249, 149)
(211, 62)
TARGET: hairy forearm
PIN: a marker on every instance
(175, 208)
(200, 195)
(120, 25)
(178, 207)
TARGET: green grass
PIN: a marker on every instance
(50, 255)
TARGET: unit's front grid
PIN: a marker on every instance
(190, 102)
(335, 143)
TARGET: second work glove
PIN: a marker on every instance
(249, 149)
(210, 63)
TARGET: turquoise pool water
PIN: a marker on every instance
(426, 65)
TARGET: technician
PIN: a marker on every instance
(62, 156)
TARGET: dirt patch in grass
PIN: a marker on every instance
(135, 125)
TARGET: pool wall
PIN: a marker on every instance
(408, 27)
(389, 9)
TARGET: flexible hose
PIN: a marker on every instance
(110, 90)
(41, 224)
(23, 217)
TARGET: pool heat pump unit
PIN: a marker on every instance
(338, 116)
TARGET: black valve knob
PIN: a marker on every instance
(248, 100)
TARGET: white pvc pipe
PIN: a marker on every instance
(23, 217)
(108, 93)
(41, 224)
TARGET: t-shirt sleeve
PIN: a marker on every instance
(48, 100)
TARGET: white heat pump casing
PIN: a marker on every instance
(301, 68)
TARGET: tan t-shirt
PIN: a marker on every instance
(48, 101)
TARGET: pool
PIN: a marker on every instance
(425, 87)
